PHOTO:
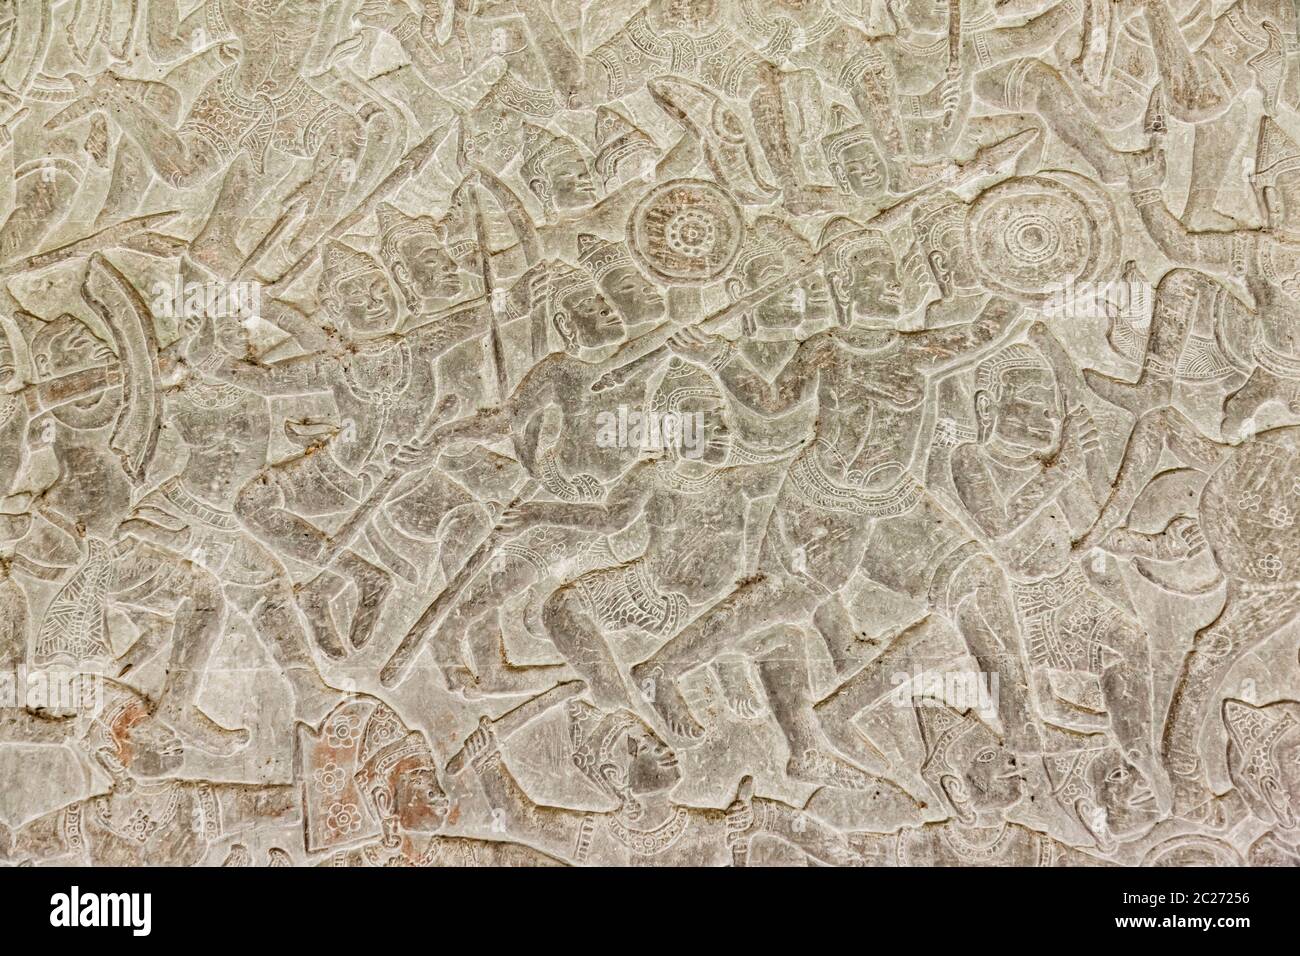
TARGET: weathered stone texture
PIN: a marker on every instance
(710, 432)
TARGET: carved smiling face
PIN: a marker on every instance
(870, 286)
(587, 319)
(987, 779)
(647, 763)
(363, 302)
(859, 170)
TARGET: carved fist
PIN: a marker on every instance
(482, 743)
(695, 346)
(383, 14)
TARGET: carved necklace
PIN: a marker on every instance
(649, 842)
(687, 485)
(8, 405)
(383, 372)
(202, 394)
(149, 811)
(975, 852)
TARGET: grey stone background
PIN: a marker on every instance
(702, 432)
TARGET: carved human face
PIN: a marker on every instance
(1285, 797)
(989, 778)
(421, 801)
(67, 345)
(871, 288)
(635, 297)
(1273, 784)
(427, 273)
(587, 317)
(1028, 414)
(568, 177)
(1124, 793)
(363, 302)
(858, 170)
(950, 260)
(152, 749)
(649, 764)
(808, 300)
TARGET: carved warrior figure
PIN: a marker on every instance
(626, 762)
(147, 817)
(688, 372)
(979, 780)
(371, 796)
(1086, 655)
(380, 385)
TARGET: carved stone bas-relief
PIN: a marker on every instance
(683, 432)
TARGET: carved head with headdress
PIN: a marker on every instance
(1264, 758)
(414, 248)
(771, 252)
(967, 763)
(851, 156)
(611, 267)
(1109, 796)
(692, 412)
(623, 152)
(365, 773)
(64, 346)
(354, 290)
(399, 774)
(939, 224)
(1277, 178)
(1018, 401)
(556, 171)
(619, 753)
(128, 738)
(863, 274)
(580, 314)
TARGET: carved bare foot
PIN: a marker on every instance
(826, 769)
(206, 734)
(1151, 390)
(1208, 219)
(373, 585)
(666, 698)
(238, 856)
(737, 689)
(320, 621)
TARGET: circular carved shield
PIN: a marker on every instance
(1192, 850)
(686, 232)
(1032, 235)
